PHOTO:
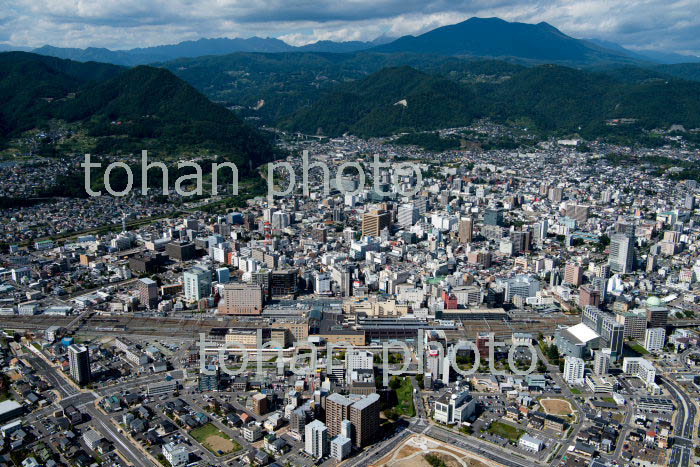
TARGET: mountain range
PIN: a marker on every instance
(509, 72)
(549, 99)
(475, 37)
(198, 48)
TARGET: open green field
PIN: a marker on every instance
(215, 440)
(506, 431)
(636, 347)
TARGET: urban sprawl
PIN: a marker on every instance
(525, 307)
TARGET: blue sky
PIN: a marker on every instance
(671, 25)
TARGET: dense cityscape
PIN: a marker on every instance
(422, 236)
(571, 278)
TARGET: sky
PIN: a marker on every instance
(668, 25)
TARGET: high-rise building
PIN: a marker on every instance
(364, 416)
(657, 316)
(340, 447)
(621, 257)
(555, 194)
(466, 230)
(284, 282)
(574, 369)
(573, 274)
(578, 212)
(261, 404)
(635, 323)
(494, 217)
(241, 299)
(362, 411)
(407, 215)
(209, 380)
(79, 360)
(374, 222)
(588, 296)
(320, 234)
(523, 286)
(316, 439)
(148, 292)
(223, 275)
(297, 421)
(601, 363)
(654, 339)
(612, 332)
(359, 360)
(197, 283)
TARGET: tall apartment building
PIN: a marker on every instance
(148, 292)
(466, 230)
(241, 299)
(79, 360)
(362, 411)
(316, 439)
(588, 296)
(574, 369)
(654, 339)
(635, 324)
(374, 222)
(197, 283)
(601, 362)
(573, 274)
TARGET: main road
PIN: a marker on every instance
(682, 451)
(86, 399)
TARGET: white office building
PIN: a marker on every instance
(454, 408)
(530, 443)
(641, 368)
(197, 283)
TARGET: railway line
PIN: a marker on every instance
(93, 323)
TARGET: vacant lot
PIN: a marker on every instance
(557, 406)
(506, 431)
(215, 440)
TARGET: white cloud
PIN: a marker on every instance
(119, 24)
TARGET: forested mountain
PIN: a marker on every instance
(391, 100)
(496, 38)
(273, 86)
(548, 98)
(125, 109)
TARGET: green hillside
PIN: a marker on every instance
(126, 110)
